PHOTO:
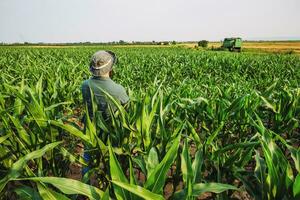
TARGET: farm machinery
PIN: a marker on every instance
(232, 44)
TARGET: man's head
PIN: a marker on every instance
(102, 63)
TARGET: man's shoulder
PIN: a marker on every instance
(117, 86)
(85, 82)
(118, 91)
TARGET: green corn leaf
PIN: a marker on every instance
(215, 133)
(152, 160)
(237, 104)
(194, 134)
(296, 186)
(268, 104)
(101, 122)
(20, 164)
(39, 88)
(139, 191)
(201, 188)
(71, 157)
(179, 195)
(273, 177)
(141, 163)
(21, 131)
(186, 168)
(246, 156)
(27, 193)
(106, 195)
(119, 107)
(237, 146)
(5, 137)
(117, 174)
(253, 190)
(289, 177)
(197, 166)
(70, 129)
(268, 91)
(48, 194)
(69, 186)
(56, 105)
(90, 130)
(156, 180)
(131, 174)
(18, 104)
(258, 125)
(36, 109)
(145, 120)
(260, 171)
(295, 153)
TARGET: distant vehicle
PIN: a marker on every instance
(232, 44)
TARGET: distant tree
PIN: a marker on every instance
(203, 43)
(122, 42)
(173, 42)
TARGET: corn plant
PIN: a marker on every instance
(198, 122)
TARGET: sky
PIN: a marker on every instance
(57, 21)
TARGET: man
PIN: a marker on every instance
(101, 66)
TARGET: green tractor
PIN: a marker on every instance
(232, 44)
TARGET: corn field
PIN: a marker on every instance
(199, 125)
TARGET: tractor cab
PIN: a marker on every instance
(232, 44)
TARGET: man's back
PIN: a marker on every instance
(95, 85)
